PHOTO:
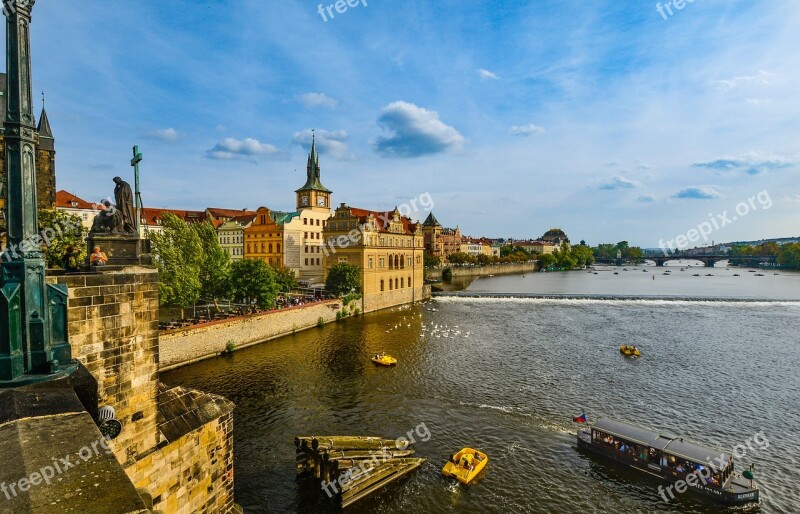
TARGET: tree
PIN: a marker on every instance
(634, 254)
(789, 255)
(546, 260)
(582, 255)
(59, 230)
(253, 281)
(431, 261)
(178, 254)
(343, 278)
(285, 279)
(215, 264)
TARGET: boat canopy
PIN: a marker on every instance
(665, 442)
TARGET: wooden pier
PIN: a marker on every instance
(350, 468)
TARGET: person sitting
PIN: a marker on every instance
(98, 257)
(71, 260)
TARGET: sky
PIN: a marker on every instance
(613, 120)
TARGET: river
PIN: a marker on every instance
(506, 374)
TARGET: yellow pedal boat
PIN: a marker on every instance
(465, 465)
(630, 351)
(384, 360)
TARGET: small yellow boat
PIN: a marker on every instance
(384, 360)
(465, 465)
(630, 351)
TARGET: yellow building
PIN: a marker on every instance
(265, 237)
(386, 246)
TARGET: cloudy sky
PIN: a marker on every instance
(606, 118)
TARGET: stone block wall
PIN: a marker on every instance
(386, 299)
(113, 331)
(184, 346)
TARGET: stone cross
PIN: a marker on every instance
(137, 158)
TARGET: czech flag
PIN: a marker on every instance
(579, 419)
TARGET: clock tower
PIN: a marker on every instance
(313, 195)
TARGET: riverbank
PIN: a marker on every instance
(196, 343)
(483, 271)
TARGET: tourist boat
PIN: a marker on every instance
(384, 360)
(630, 351)
(465, 465)
(671, 458)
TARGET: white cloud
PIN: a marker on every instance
(526, 130)
(697, 193)
(333, 143)
(167, 134)
(246, 149)
(751, 163)
(619, 183)
(415, 131)
(487, 75)
(310, 100)
(646, 199)
(760, 78)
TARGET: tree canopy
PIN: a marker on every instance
(343, 278)
(253, 281)
(59, 230)
(178, 254)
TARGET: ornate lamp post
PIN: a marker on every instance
(33, 315)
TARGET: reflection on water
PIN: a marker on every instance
(506, 376)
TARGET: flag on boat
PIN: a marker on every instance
(580, 419)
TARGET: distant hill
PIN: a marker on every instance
(780, 241)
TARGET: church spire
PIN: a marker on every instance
(313, 170)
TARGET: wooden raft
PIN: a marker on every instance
(371, 462)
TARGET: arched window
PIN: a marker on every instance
(409, 281)
(402, 283)
(270, 248)
(396, 283)
(381, 285)
(278, 248)
(262, 247)
(248, 248)
(390, 284)
(391, 262)
(403, 262)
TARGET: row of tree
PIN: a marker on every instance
(192, 265)
(787, 255)
(567, 257)
(621, 250)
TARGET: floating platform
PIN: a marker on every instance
(351, 468)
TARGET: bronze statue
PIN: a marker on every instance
(107, 220)
(124, 198)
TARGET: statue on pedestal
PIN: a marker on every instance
(117, 219)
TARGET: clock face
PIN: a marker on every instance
(304, 200)
(321, 201)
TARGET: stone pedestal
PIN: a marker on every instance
(122, 250)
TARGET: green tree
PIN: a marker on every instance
(634, 254)
(253, 281)
(285, 279)
(178, 254)
(483, 259)
(59, 230)
(343, 278)
(431, 261)
(546, 260)
(582, 255)
(215, 264)
(789, 255)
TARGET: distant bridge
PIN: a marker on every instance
(709, 260)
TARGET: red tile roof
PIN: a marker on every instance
(228, 213)
(383, 219)
(66, 200)
(153, 216)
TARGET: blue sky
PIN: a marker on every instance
(603, 118)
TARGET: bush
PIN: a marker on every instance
(230, 347)
(321, 322)
(447, 274)
(338, 315)
(357, 311)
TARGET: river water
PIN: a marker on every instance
(506, 374)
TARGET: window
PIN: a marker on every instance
(402, 262)
(317, 222)
(390, 284)
(248, 248)
(370, 263)
(278, 249)
(262, 247)
(395, 283)
(305, 235)
(318, 261)
(409, 281)
(305, 221)
(342, 259)
(270, 248)
(306, 261)
(402, 283)
(391, 262)
(381, 262)
(381, 284)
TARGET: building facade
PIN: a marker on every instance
(265, 238)
(314, 206)
(438, 240)
(231, 235)
(387, 247)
